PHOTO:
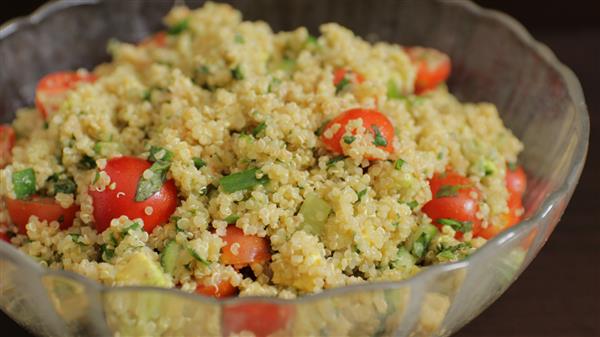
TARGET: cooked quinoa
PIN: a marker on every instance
(224, 96)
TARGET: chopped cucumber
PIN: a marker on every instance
(315, 212)
(404, 258)
(420, 240)
(169, 256)
(24, 183)
(141, 270)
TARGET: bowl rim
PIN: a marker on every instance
(574, 90)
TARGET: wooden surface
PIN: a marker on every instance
(559, 294)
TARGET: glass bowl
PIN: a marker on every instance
(494, 60)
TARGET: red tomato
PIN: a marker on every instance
(454, 198)
(52, 89)
(43, 207)
(516, 180)
(372, 120)
(159, 39)
(262, 319)
(109, 204)
(433, 67)
(250, 248)
(341, 73)
(223, 289)
(7, 141)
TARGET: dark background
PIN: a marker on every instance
(559, 293)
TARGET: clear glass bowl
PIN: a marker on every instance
(494, 60)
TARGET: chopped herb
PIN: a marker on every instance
(112, 239)
(24, 183)
(452, 252)
(424, 236)
(449, 190)
(96, 177)
(203, 69)
(312, 40)
(349, 139)
(334, 160)
(288, 65)
(259, 129)
(361, 194)
(412, 204)
(198, 162)
(440, 155)
(155, 150)
(321, 128)
(148, 187)
(395, 224)
(342, 85)
(243, 180)
(398, 164)
(75, 237)
(237, 73)
(459, 226)
(232, 218)
(174, 218)
(274, 81)
(106, 253)
(179, 27)
(392, 90)
(66, 185)
(147, 95)
(239, 39)
(196, 256)
(86, 163)
(379, 139)
(132, 227)
(512, 165)
(45, 125)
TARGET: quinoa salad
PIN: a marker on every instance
(221, 158)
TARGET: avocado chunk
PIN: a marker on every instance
(139, 269)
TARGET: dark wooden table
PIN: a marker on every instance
(559, 294)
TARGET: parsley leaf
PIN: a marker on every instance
(349, 139)
(259, 129)
(342, 85)
(361, 194)
(179, 27)
(334, 160)
(198, 162)
(449, 190)
(459, 226)
(86, 163)
(237, 73)
(398, 164)
(231, 219)
(379, 139)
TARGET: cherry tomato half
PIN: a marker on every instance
(433, 67)
(342, 73)
(509, 219)
(109, 204)
(516, 180)
(248, 248)
(262, 319)
(374, 121)
(52, 89)
(7, 142)
(43, 207)
(221, 290)
(159, 39)
(3, 233)
(455, 199)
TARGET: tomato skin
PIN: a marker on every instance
(340, 73)
(109, 204)
(251, 249)
(370, 118)
(516, 180)
(52, 89)
(159, 39)
(221, 290)
(262, 319)
(461, 206)
(433, 67)
(3, 233)
(43, 207)
(7, 142)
